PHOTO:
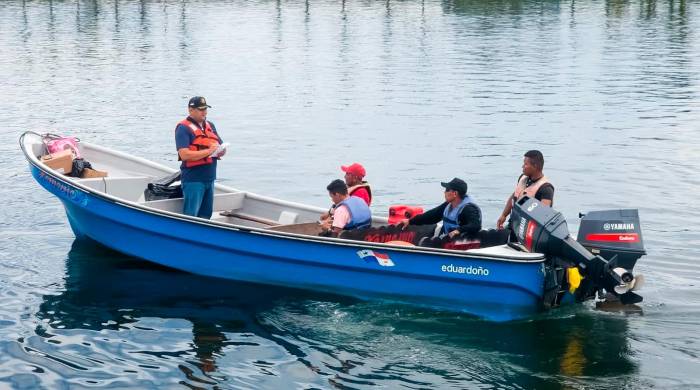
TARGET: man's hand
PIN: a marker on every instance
(326, 224)
(506, 212)
(403, 224)
(192, 155)
(501, 221)
(454, 233)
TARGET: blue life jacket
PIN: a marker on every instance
(360, 215)
(450, 217)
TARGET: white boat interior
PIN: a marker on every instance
(128, 177)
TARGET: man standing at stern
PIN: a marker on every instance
(532, 183)
(196, 141)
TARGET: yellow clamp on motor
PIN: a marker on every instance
(574, 278)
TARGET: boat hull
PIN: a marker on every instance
(491, 288)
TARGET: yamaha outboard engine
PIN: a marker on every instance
(613, 233)
(542, 229)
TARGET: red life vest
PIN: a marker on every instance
(364, 185)
(202, 140)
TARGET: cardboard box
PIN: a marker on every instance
(60, 161)
(89, 173)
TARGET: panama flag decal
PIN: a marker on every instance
(371, 256)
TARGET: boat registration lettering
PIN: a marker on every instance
(72, 194)
(471, 270)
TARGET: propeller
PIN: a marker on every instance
(628, 282)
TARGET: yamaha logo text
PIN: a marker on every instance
(618, 226)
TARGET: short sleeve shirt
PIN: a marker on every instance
(341, 216)
(200, 173)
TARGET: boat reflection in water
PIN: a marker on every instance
(117, 295)
(108, 291)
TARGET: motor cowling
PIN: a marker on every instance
(613, 234)
(542, 229)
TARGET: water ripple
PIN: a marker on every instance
(437, 89)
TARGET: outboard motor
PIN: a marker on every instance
(613, 233)
(542, 229)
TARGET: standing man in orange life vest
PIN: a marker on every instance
(531, 183)
(196, 139)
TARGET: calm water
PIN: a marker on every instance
(418, 91)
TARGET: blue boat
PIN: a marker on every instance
(259, 239)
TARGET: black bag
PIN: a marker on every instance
(79, 166)
(163, 189)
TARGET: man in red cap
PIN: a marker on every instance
(354, 175)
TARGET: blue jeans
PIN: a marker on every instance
(198, 198)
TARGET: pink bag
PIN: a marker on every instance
(56, 143)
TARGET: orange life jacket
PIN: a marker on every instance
(364, 185)
(202, 140)
(521, 189)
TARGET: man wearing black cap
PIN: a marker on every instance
(196, 140)
(459, 214)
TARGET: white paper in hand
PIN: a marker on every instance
(220, 150)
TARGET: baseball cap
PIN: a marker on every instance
(455, 184)
(198, 102)
(354, 169)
